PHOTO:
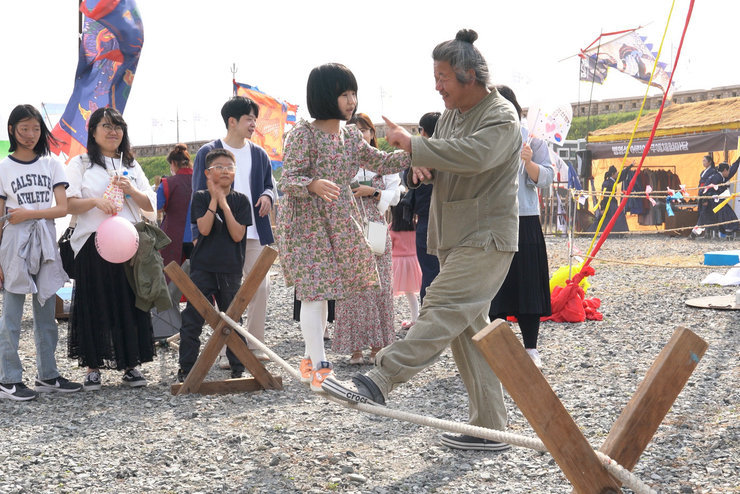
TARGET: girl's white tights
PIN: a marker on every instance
(413, 305)
(313, 321)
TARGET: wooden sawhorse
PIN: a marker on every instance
(223, 334)
(631, 432)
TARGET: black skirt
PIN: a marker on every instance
(106, 330)
(526, 289)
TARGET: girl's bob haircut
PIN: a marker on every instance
(325, 84)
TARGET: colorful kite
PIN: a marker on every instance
(274, 116)
(112, 37)
(626, 51)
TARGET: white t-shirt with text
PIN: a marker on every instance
(30, 185)
(242, 180)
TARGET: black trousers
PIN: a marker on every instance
(219, 286)
(429, 265)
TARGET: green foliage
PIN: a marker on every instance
(153, 166)
(157, 165)
(581, 126)
(384, 146)
(277, 174)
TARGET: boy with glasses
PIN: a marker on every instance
(222, 216)
(253, 178)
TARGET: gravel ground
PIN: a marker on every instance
(145, 440)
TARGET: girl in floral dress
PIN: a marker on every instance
(323, 252)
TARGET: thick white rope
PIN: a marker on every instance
(620, 473)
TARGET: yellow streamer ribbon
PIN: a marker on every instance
(723, 203)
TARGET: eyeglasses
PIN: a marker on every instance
(221, 168)
(112, 128)
(420, 129)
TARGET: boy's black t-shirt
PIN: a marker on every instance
(217, 252)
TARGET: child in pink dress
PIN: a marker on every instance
(406, 270)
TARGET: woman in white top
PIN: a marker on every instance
(106, 330)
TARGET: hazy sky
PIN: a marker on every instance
(190, 45)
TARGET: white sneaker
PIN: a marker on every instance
(223, 362)
(535, 356)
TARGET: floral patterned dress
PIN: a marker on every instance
(365, 320)
(323, 252)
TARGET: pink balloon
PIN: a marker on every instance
(116, 240)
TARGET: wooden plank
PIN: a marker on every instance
(192, 293)
(542, 408)
(222, 333)
(636, 425)
(59, 312)
(206, 358)
(203, 364)
(251, 283)
(255, 367)
(242, 385)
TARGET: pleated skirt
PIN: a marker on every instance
(526, 289)
(106, 330)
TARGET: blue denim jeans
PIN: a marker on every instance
(45, 334)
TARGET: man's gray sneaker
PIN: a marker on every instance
(461, 441)
(362, 389)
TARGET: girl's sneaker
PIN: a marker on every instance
(92, 381)
(535, 356)
(319, 375)
(306, 369)
(133, 379)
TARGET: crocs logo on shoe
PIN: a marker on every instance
(346, 393)
(357, 398)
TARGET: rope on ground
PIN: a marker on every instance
(623, 475)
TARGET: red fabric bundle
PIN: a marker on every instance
(569, 303)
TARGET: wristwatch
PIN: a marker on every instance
(376, 194)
